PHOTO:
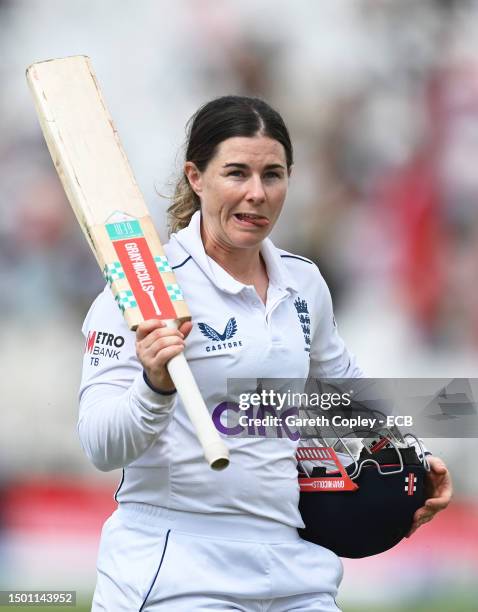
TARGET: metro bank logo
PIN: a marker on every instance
(100, 343)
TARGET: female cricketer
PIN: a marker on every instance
(184, 537)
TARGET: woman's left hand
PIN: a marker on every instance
(438, 489)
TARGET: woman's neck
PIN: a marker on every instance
(245, 265)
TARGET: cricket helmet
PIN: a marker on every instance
(359, 499)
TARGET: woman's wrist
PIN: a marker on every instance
(157, 389)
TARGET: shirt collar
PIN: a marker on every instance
(190, 240)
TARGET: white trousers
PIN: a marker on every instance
(152, 559)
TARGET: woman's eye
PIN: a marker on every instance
(270, 175)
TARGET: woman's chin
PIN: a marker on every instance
(247, 241)
(247, 238)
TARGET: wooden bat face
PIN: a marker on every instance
(108, 204)
(102, 190)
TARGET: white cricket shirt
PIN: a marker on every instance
(125, 424)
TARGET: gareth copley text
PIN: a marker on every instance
(337, 420)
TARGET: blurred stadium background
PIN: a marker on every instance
(381, 98)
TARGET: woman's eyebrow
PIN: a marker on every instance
(245, 166)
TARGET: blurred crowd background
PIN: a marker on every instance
(381, 99)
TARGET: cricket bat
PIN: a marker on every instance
(113, 215)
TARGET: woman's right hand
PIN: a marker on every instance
(156, 344)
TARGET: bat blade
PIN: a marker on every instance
(102, 190)
(100, 185)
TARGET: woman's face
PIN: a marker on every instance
(242, 191)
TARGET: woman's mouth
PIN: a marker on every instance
(251, 220)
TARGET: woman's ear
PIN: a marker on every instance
(194, 176)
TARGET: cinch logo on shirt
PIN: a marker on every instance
(221, 341)
(103, 344)
(255, 422)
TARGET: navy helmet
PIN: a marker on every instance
(358, 496)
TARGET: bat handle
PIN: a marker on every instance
(215, 450)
